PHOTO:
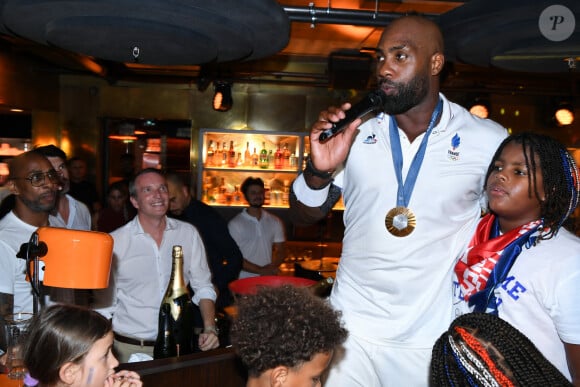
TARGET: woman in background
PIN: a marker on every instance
(118, 210)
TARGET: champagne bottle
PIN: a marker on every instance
(175, 313)
(165, 345)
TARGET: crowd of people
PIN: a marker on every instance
(428, 292)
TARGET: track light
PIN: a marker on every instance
(480, 108)
(564, 114)
(222, 99)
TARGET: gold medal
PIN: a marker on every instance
(400, 221)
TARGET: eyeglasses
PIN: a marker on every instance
(37, 179)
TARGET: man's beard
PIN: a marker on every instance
(36, 206)
(408, 95)
(257, 205)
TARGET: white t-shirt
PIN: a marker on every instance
(79, 217)
(256, 237)
(13, 233)
(540, 296)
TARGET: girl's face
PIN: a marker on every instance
(507, 189)
(98, 364)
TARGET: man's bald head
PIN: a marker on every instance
(425, 32)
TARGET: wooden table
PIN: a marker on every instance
(219, 367)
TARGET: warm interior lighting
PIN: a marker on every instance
(222, 99)
(480, 108)
(564, 114)
(123, 138)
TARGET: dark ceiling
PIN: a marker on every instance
(502, 46)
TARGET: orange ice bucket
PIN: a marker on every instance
(76, 259)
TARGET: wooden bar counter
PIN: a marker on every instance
(219, 367)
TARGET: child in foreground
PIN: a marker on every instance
(286, 336)
(522, 264)
(480, 349)
(71, 346)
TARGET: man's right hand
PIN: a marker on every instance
(328, 156)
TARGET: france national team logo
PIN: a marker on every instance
(453, 152)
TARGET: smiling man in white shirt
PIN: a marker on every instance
(142, 268)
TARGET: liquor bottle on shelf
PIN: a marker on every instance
(237, 197)
(286, 192)
(224, 161)
(222, 190)
(286, 156)
(255, 159)
(217, 158)
(176, 314)
(264, 164)
(278, 158)
(232, 156)
(239, 161)
(209, 161)
(248, 155)
(270, 159)
(293, 161)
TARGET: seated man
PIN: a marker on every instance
(286, 336)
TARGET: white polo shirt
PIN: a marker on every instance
(396, 290)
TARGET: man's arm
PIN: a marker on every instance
(269, 269)
(278, 253)
(573, 357)
(303, 215)
(6, 304)
(208, 339)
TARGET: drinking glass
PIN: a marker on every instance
(15, 327)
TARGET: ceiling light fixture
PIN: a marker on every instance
(564, 114)
(480, 108)
(222, 99)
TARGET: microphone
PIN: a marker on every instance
(372, 101)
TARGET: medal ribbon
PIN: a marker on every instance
(405, 189)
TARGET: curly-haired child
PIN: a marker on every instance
(286, 336)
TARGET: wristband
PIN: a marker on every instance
(315, 172)
(213, 330)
